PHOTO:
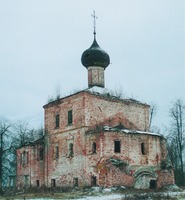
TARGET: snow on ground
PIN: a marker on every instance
(104, 197)
(97, 193)
(149, 196)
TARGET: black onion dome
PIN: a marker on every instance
(95, 56)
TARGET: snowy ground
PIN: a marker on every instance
(117, 196)
(104, 197)
(97, 193)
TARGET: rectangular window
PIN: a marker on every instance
(75, 182)
(53, 183)
(93, 181)
(117, 146)
(71, 151)
(21, 159)
(57, 121)
(94, 147)
(26, 161)
(70, 117)
(11, 181)
(26, 181)
(53, 152)
(153, 184)
(24, 158)
(41, 154)
(56, 152)
(143, 150)
(34, 152)
(37, 183)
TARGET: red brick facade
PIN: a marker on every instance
(95, 139)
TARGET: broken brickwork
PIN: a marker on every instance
(96, 139)
(30, 165)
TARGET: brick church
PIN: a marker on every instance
(93, 138)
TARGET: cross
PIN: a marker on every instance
(94, 16)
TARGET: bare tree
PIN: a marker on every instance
(13, 136)
(4, 150)
(176, 139)
(22, 134)
(153, 110)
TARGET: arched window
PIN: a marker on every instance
(94, 147)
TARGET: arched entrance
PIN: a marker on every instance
(145, 180)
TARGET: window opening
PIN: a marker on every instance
(71, 150)
(57, 121)
(70, 117)
(53, 152)
(37, 183)
(34, 152)
(93, 180)
(117, 146)
(26, 180)
(12, 181)
(94, 147)
(143, 151)
(41, 154)
(56, 152)
(75, 180)
(24, 158)
(21, 158)
(53, 183)
(153, 184)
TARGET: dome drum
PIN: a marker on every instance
(95, 60)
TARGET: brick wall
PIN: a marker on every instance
(79, 151)
(90, 110)
(99, 109)
(29, 169)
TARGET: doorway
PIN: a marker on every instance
(153, 184)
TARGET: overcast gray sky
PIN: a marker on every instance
(41, 43)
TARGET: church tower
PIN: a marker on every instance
(95, 60)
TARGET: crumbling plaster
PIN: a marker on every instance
(69, 155)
